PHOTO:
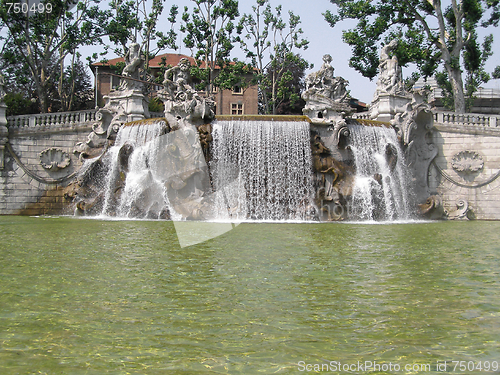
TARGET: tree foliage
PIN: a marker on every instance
(42, 40)
(430, 34)
(496, 73)
(270, 43)
(209, 28)
(75, 89)
(19, 104)
(138, 20)
(67, 92)
(283, 83)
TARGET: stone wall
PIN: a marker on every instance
(39, 161)
(467, 167)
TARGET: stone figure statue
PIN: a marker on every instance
(387, 49)
(333, 180)
(324, 83)
(125, 104)
(180, 84)
(390, 79)
(325, 94)
(183, 105)
(133, 60)
(320, 82)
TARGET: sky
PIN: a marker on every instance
(322, 40)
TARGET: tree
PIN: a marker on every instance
(208, 33)
(45, 35)
(18, 104)
(75, 91)
(137, 20)
(71, 91)
(430, 34)
(269, 42)
(287, 100)
(496, 73)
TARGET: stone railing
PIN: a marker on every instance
(361, 115)
(467, 119)
(58, 119)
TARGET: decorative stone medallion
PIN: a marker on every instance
(467, 162)
(54, 159)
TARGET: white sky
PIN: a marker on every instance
(322, 39)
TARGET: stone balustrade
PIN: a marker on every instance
(58, 119)
(467, 119)
(362, 116)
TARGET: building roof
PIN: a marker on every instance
(171, 59)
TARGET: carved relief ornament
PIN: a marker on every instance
(54, 159)
(467, 162)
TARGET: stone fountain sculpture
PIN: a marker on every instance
(333, 181)
(413, 127)
(126, 103)
(327, 105)
(326, 96)
(180, 168)
(183, 105)
(390, 96)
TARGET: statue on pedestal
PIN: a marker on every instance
(182, 102)
(133, 60)
(325, 94)
(390, 97)
(181, 83)
(126, 103)
(390, 79)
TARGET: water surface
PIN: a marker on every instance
(122, 297)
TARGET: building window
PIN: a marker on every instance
(236, 109)
(115, 82)
(237, 90)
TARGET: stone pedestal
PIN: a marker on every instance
(326, 113)
(385, 106)
(131, 103)
(4, 132)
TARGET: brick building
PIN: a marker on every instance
(237, 101)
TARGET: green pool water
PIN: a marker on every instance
(122, 297)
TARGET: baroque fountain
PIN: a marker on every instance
(327, 165)
(105, 296)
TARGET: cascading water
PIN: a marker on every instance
(268, 167)
(134, 155)
(380, 191)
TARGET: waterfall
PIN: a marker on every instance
(267, 165)
(132, 187)
(380, 191)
